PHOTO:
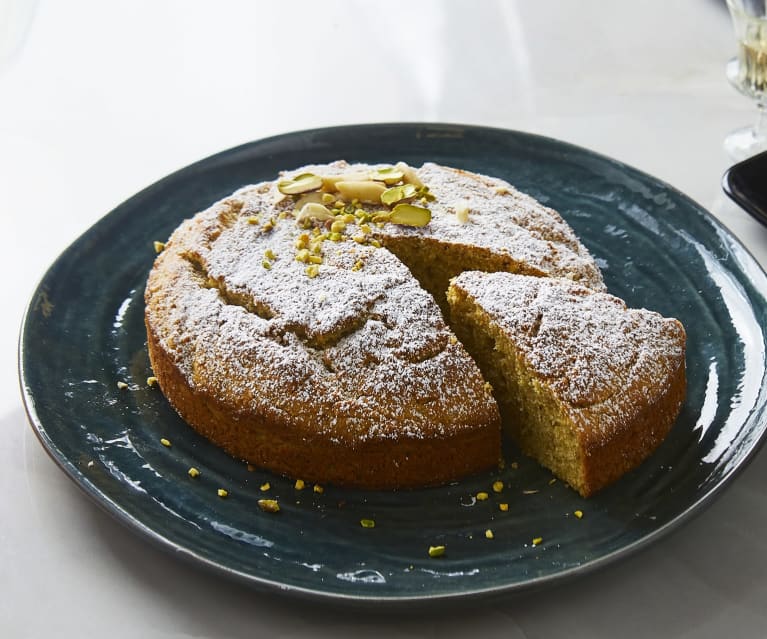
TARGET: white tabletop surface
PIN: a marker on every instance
(99, 99)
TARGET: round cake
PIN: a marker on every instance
(297, 323)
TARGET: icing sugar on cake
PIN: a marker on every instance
(296, 323)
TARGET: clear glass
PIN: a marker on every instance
(748, 74)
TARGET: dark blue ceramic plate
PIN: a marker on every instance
(84, 331)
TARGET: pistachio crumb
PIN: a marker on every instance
(315, 259)
(453, 340)
(497, 486)
(302, 255)
(358, 265)
(269, 254)
(159, 247)
(151, 381)
(503, 507)
(223, 493)
(193, 472)
(375, 243)
(367, 523)
(327, 198)
(537, 541)
(253, 219)
(265, 486)
(299, 485)
(266, 264)
(122, 385)
(462, 214)
(578, 514)
(489, 534)
(312, 270)
(269, 505)
(482, 496)
(337, 226)
(436, 551)
(318, 489)
(165, 442)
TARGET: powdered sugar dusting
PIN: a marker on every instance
(586, 345)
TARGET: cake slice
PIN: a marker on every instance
(585, 385)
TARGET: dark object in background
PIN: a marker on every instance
(746, 183)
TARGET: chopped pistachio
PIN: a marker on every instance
(397, 194)
(315, 259)
(482, 496)
(302, 241)
(453, 340)
(165, 442)
(223, 493)
(388, 175)
(365, 228)
(299, 485)
(122, 385)
(489, 534)
(265, 486)
(537, 541)
(269, 505)
(193, 472)
(335, 236)
(497, 486)
(312, 270)
(503, 507)
(436, 551)
(253, 219)
(578, 514)
(410, 215)
(318, 489)
(360, 239)
(266, 264)
(358, 265)
(302, 255)
(300, 184)
(159, 247)
(367, 523)
(151, 381)
(269, 254)
(337, 226)
(327, 198)
(349, 218)
(268, 226)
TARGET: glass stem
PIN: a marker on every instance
(760, 128)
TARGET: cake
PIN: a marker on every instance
(585, 385)
(300, 323)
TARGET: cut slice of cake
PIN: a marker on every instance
(586, 386)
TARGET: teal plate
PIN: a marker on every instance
(84, 331)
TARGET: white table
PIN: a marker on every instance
(103, 98)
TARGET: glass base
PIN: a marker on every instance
(743, 143)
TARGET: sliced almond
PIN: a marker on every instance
(362, 190)
(329, 181)
(408, 174)
(314, 211)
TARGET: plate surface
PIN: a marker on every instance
(84, 331)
